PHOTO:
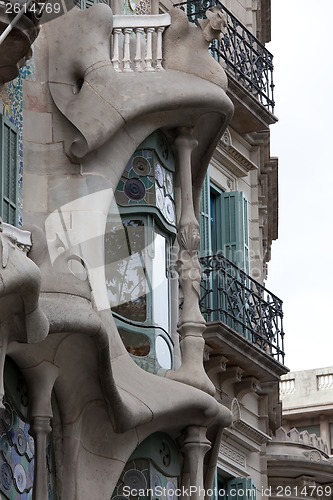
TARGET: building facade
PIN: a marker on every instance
(299, 456)
(141, 352)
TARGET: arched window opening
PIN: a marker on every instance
(152, 472)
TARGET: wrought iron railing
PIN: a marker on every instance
(231, 296)
(245, 58)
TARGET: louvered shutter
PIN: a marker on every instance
(205, 239)
(235, 244)
(9, 171)
(241, 488)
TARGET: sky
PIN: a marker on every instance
(301, 268)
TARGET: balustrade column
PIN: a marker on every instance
(127, 55)
(149, 50)
(159, 52)
(115, 58)
(191, 324)
(138, 59)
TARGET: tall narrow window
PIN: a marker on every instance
(8, 171)
(137, 242)
(224, 224)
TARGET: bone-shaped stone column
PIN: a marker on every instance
(40, 379)
(191, 323)
(194, 448)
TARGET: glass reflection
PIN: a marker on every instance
(126, 277)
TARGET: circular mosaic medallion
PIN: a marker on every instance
(20, 441)
(5, 447)
(141, 166)
(135, 480)
(31, 445)
(169, 183)
(159, 174)
(155, 482)
(159, 198)
(135, 189)
(20, 477)
(6, 416)
(6, 476)
(31, 470)
(169, 211)
(132, 4)
(170, 488)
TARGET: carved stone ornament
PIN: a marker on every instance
(215, 23)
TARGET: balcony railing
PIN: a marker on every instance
(231, 296)
(148, 50)
(245, 58)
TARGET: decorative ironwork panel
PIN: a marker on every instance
(231, 296)
(245, 58)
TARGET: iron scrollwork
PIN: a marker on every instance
(231, 296)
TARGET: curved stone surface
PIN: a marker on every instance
(106, 404)
(16, 48)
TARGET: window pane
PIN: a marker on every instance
(160, 287)
(135, 343)
(126, 276)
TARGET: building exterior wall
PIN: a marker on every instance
(94, 130)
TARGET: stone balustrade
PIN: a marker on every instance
(137, 42)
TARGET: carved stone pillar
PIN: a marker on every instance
(40, 379)
(191, 324)
(40, 429)
(194, 448)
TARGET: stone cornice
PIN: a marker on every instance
(257, 436)
(231, 157)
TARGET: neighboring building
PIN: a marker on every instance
(299, 456)
(126, 358)
(307, 398)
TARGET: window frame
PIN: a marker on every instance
(5, 170)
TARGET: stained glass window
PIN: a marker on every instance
(138, 238)
(152, 471)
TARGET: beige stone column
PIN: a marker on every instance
(191, 324)
(194, 448)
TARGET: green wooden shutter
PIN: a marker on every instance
(235, 238)
(8, 171)
(241, 488)
(205, 239)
